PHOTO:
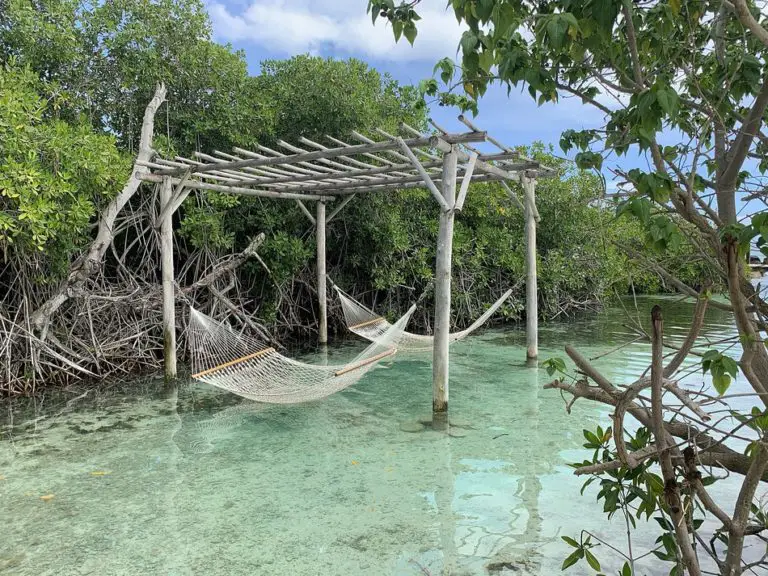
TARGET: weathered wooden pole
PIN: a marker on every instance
(321, 279)
(443, 286)
(169, 299)
(531, 282)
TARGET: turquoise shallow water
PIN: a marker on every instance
(196, 481)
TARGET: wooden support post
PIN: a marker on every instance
(531, 283)
(443, 287)
(321, 279)
(169, 299)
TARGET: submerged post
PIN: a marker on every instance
(443, 286)
(321, 279)
(531, 282)
(166, 258)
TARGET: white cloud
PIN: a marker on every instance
(328, 26)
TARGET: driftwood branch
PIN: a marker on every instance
(90, 262)
(229, 267)
(637, 457)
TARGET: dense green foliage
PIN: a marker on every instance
(53, 176)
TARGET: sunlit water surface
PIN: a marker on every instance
(137, 480)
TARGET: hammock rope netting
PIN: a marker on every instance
(366, 323)
(241, 364)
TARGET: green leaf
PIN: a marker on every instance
(604, 12)
(668, 100)
(721, 382)
(730, 365)
(485, 9)
(572, 559)
(397, 28)
(591, 437)
(570, 541)
(591, 560)
(486, 60)
(626, 570)
(410, 32)
(554, 365)
(587, 160)
(446, 67)
(557, 27)
(722, 368)
(468, 41)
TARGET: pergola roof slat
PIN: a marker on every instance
(351, 162)
(324, 170)
(417, 150)
(311, 170)
(284, 171)
(234, 174)
(308, 167)
(394, 153)
(333, 152)
(163, 164)
(380, 159)
(257, 173)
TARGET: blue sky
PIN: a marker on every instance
(342, 28)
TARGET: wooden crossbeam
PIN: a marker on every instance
(401, 184)
(197, 185)
(306, 212)
(178, 196)
(538, 166)
(339, 208)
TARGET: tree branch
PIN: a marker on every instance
(671, 487)
(738, 152)
(742, 509)
(626, 6)
(696, 324)
(746, 18)
(711, 452)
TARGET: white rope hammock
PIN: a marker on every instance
(366, 323)
(242, 365)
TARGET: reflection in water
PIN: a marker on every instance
(194, 481)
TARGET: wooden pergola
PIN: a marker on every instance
(333, 174)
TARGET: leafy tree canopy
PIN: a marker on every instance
(54, 175)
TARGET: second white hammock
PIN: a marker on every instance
(371, 326)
